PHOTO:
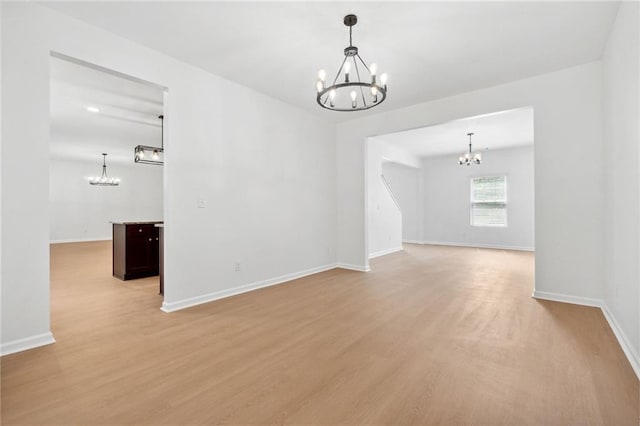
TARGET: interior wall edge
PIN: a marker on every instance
(206, 298)
(385, 252)
(474, 245)
(621, 337)
(80, 240)
(31, 342)
(352, 267)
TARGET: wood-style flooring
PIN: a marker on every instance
(433, 335)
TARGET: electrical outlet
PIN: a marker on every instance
(237, 266)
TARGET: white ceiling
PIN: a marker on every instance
(429, 49)
(491, 131)
(128, 114)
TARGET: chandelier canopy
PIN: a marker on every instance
(353, 93)
(104, 180)
(470, 157)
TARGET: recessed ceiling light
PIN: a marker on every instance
(92, 109)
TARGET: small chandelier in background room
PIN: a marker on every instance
(470, 157)
(355, 92)
(151, 154)
(104, 180)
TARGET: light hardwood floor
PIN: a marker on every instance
(433, 335)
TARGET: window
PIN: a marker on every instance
(489, 201)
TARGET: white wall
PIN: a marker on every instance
(447, 193)
(622, 180)
(385, 218)
(568, 171)
(406, 184)
(265, 169)
(82, 212)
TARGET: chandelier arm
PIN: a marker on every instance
(339, 70)
(363, 63)
(355, 63)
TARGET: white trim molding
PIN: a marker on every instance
(472, 245)
(566, 298)
(623, 340)
(27, 343)
(352, 267)
(627, 348)
(385, 252)
(210, 297)
(79, 240)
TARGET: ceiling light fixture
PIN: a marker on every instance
(92, 109)
(104, 180)
(469, 158)
(151, 154)
(353, 93)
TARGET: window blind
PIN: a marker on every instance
(489, 201)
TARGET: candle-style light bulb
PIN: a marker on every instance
(322, 75)
(155, 155)
(383, 80)
(373, 68)
(320, 86)
(353, 98)
(141, 154)
(332, 97)
(374, 92)
(347, 68)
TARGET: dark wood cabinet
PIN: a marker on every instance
(136, 251)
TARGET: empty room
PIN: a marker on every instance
(320, 213)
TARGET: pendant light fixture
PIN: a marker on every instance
(354, 92)
(151, 154)
(470, 157)
(104, 180)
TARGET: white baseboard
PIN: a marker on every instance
(384, 252)
(476, 245)
(205, 298)
(352, 267)
(413, 241)
(628, 350)
(26, 343)
(566, 298)
(622, 338)
(79, 240)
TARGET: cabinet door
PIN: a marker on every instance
(138, 258)
(154, 255)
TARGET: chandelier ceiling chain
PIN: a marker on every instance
(104, 180)
(470, 157)
(344, 96)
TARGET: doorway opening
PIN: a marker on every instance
(97, 119)
(418, 193)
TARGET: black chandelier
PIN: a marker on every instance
(104, 180)
(352, 94)
(470, 157)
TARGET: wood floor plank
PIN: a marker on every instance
(433, 335)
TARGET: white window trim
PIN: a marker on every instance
(472, 202)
